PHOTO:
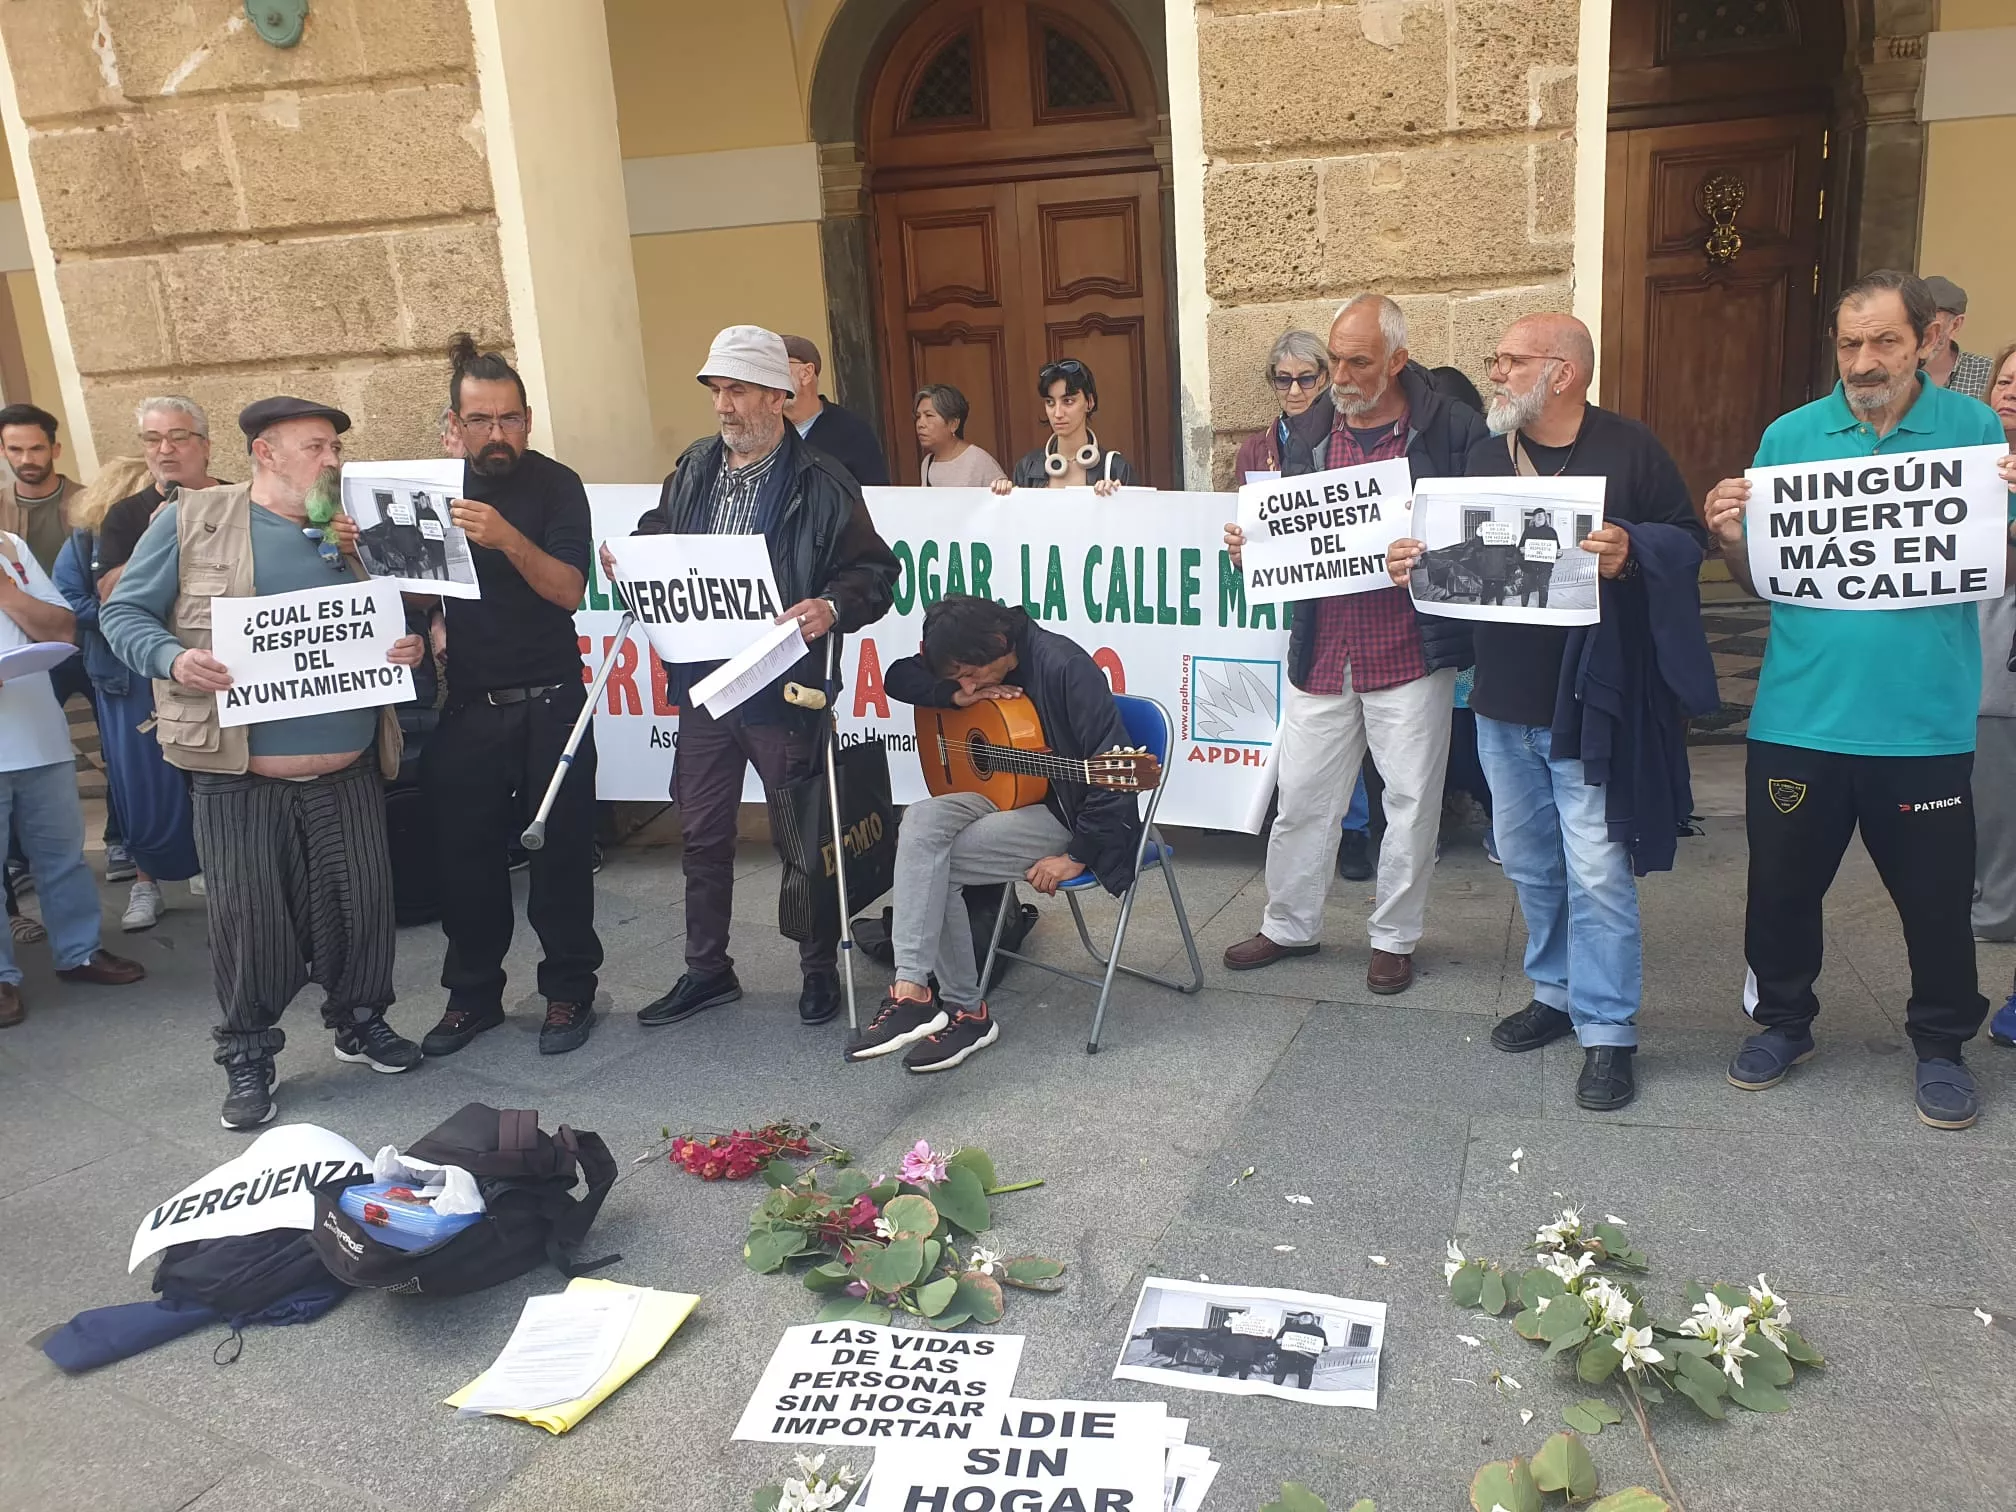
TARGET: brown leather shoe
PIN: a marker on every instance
(1251, 955)
(12, 1009)
(1389, 973)
(106, 969)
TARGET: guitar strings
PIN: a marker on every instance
(1040, 763)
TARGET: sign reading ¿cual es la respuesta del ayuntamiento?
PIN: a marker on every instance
(1894, 532)
(317, 651)
(1323, 534)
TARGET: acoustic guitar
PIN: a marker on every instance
(997, 749)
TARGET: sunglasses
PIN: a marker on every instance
(1284, 382)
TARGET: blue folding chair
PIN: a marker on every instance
(1149, 727)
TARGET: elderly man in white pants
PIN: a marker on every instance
(1365, 671)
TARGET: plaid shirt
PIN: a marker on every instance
(1972, 373)
(1372, 635)
(735, 494)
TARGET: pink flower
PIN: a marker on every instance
(922, 1166)
(861, 1214)
(856, 1288)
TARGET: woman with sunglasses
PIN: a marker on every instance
(1073, 456)
(1298, 370)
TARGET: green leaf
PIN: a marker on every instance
(1695, 1293)
(977, 1162)
(1563, 1464)
(1649, 1392)
(1701, 1393)
(847, 1185)
(932, 1251)
(1797, 1347)
(1633, 1499)
(1732, 1296)
(1505, 1483)
(830, 1277)
(1363, 1504)
(911, 1215)
(962, 1201)
(1467, 1285)
(1575, 1336)
(1564, 1317)
(879, 1195)
(1537, 1283)
(767, 1251)
(1770, 1365)
(1031, 1273)
(1613, 1239)
(1527, 1325)
(1296, 1497)
(1685, 1344)
(853, 1310)
(778, 1173)
(953, 1316)
(1598, 1361)
(1591, 1415)
(894, 1266)
(981, 1296)
(1758, 1395)
(935, 1296)
(1492, 1296)
(766, 1499)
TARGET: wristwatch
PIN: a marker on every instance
(828, 602)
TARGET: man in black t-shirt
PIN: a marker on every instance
(1577, 890)
(514, 692)
(175, 441)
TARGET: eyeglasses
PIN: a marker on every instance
(1508, 360)
(1283, 382)
(155, 440)
(510, 424)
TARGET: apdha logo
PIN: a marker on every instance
(1231, 708)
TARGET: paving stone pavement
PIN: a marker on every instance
(1393, 1114)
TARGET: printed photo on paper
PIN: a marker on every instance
(1508, 549)
(1255, 1341)
(406, 537)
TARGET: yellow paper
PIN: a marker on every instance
(659, 1314)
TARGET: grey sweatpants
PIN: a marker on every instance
(946, 845)
(300, 882)
(1995, 829)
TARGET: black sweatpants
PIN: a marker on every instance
(1916, 814)
(484, 770)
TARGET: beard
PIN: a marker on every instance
(495, 460)
(1868, 398)
(1509, 412)
(748, 438)
(1351, 401)
(323, 496)
(34, 474)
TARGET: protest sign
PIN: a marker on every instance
(1143, 583)
(845, 1383)
(405, 537)
(1303, 1346)
(700, 598)
(1902, 532)
(1050, 1457)
(312, 652)
(1323, 534)
(1508, 549)
(267, 1187)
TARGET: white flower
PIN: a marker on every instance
(1453, 1264)
(883, 1230)
(1505, 1382)
(1768, 1312)
(1561, 1233)
(1987, 1318)
(809, 1466)
(1609, 1307)
(1284, 1249)
(1525, 1416)
(1466, 1339)
(1570, 1271)
(1540, 1304)
(1298, 1199)
(1379, 1260)
(983, 1260)
(1725, 1327)
(1613, 1218)
(1635, 1344)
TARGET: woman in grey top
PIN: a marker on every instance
(950, 460)
(1995, 741)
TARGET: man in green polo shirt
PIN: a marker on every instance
(1865, 719)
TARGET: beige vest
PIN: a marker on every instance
(214, 536)
(13, 518)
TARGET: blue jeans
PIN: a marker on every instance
(1580, 901)
(41, 803)
(1359, 815)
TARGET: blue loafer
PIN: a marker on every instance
(1946, 1097)
(1765, 1058)
(2002, 1027)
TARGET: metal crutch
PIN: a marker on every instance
(534, 837)
(824, 699)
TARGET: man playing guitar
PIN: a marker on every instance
(976, 650)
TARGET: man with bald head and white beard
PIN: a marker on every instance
(1555, 825)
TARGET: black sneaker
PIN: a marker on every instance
(373, 1043)
(690, 995)
(969, 1031)
(249, 1102)
(819, 999)
(898, 1023)
(458, 1026)
(1606, 1083)
(1354, 856)
(1531, 1027)
(566, 1027)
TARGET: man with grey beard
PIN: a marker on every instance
(758, 477)
(1553, 818)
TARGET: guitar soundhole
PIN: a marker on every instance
(977, 747)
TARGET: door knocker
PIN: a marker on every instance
(1721, 197)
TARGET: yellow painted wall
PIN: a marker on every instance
(692, 284)
(1970, 217)
(43, 389)
(704, 75)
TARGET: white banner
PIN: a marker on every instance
(1324, 534)
(846, 1383)
(313, 652)
(1098, 1456)
(1901, 532)
(700, 598)
(1141, 581)
(268, 1187)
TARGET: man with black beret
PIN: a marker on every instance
(290, 817)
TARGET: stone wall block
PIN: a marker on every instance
(451, 278)
(1457, 214)
(1506, 50)
(186, 171)
(378, 156)
(90, 186)
(259, 303)
(1554, 190)
(1478, 320)
(61, 65)
(116, 312)
(395, 405)
(1294, 80)
(415, 36)
(1260, 230)
(1241, 336)
(195, 47)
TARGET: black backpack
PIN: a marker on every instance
(240, 1275)
(530, 1214)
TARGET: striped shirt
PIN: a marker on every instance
(735, 492)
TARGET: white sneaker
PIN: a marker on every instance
(196, 887)
(143, 907)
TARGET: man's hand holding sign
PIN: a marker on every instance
(1320, 534)
(311, 652)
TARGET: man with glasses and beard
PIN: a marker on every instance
(1554, 820)
(514, 692)
(290, 817)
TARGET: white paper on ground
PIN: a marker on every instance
(562, 1346)
(748, 673)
